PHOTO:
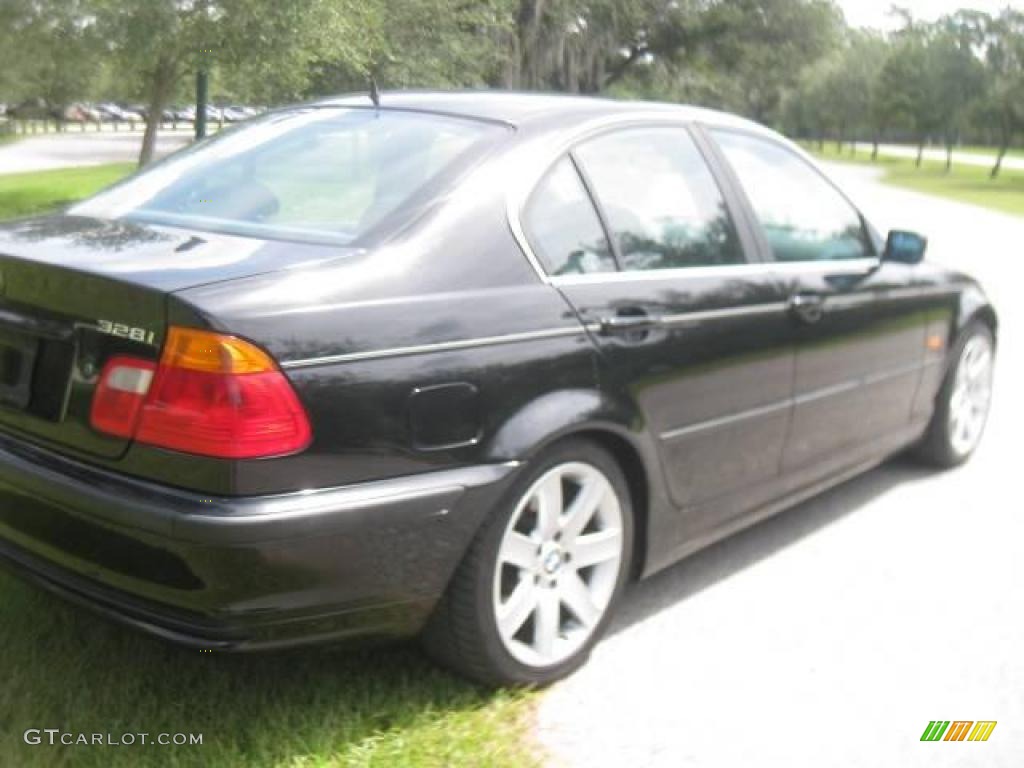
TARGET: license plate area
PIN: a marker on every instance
(17, 362)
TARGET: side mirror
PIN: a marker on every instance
(905, 247)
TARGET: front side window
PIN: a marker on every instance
(317, 174)
(661, 202)
(562, 225)
(804, 217)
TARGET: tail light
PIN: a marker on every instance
(211, 394)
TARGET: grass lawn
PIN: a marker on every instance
(61, 667)
(64, 668)
(965, 184)
(23, 194)
(990, 151)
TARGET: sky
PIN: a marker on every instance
(874, 13)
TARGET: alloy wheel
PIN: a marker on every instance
(971, 395)
(558, 564)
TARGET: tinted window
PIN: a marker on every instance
(803, 216)
(563, 227)
(309, 174)
(662, 203)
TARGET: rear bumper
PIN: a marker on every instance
(241, 573)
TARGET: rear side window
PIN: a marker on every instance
(803, 216)
(562, 225)
(320, 175)
(661, 202)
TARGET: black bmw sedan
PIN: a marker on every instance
(457, 366)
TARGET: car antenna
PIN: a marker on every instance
(374, 92)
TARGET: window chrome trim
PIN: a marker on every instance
(751, 269)
(441, 346)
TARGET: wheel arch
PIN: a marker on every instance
(975, 307)
(591, 415)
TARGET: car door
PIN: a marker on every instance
(652, 258)
(860, 343)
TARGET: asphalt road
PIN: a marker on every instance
(61, 150)
(833, 633)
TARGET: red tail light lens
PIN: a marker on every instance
(212, 395)
(120, 394)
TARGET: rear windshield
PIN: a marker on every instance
(311, 175)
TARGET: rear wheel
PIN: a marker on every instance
(538, 585)
(963, 402)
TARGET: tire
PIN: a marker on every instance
(946, 442)
(514, 613)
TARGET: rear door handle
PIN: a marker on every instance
(808, 307)
(626, 321)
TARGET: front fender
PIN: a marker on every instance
(974, 304)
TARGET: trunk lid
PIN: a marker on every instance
(75, 291)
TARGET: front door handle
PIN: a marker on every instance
(808, 307)
(626, 321)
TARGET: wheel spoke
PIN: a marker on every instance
(583, 507)
(977, 366)
(596, 548)
(520, 604)
(545, 625)
(549, 506)
(966, 430)
(576, 596)
(519, 550)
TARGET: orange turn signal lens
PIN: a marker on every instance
(195, 350)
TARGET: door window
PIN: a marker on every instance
(803, 216)
(562, 225)
(660, 200)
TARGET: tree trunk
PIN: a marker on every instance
(528, 69)
(999, 160)
(920, 153)
(949, 156)
(1004, 143)
(874, 148)
(161, 81)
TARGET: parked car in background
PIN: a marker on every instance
(115, 112)
(234, 114)
(460, 365)
(31, 109)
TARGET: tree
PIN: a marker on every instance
(956, 71)
(907, 87)
(48, 49)
(1004, 103)
(581, 46)
(274, 43)
(762, 46)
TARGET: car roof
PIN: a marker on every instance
(519, 108)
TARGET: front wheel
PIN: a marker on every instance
(538, 584)
(962, 405)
